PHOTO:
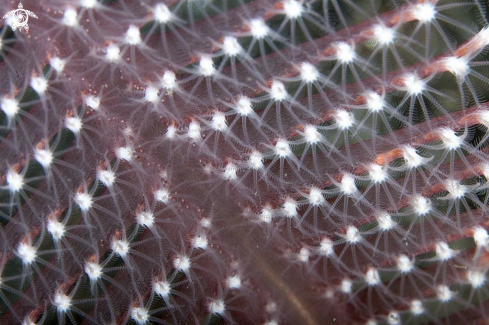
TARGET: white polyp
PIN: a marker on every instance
(344, 119)
(290, 207)
(162, 288)
(484, 117)
(384, 35)
(206, 66)
(375, 102)
(70, 18)
(162, 14)
(145, 219)
(133, 36)
(39, 84)
(476, 278)
(292, 9)
(404, 264)
(171, 132)
(424, 12)
(84, 201)
(15, 181)
(413, 85)
(74, 124)
(243, 106)
(416, 307)
(233, 282)
(89, 4)
(230, 172)
(326, 247)
(393, 318)
(277, 91)
(217, 307)
(282, 148)
(311, 134)
(124, 153)
(483, 37)
(412, 158)
(352, 235)
(200, 241)
(57, 64)
(258, 28)
(93, 270)
(377, 173)
(120, 247)
(55, 228)
(315, 196)
(450, 139)
(385, 222)
(194, 131)
(62, 301)
(309, 73)
(266, 215)
(304, 255)
(139, 315)
(151, 94)
(219, 121)
(444, 252)
(112, 53)
(455, 189)
(205, 222)
(372, 277)
(27, 253)
(421, 205)
(230, 46)
(162, 195)
(458, 66)
(107, 177)
(255, 160)
(481, 237)
(10, 107)
(182, 263)
(344, 52)
(346, 286)
(443, 293)
(92, 101)
(347, 185)
(169, 80)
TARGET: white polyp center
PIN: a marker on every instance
(162, 195)
(344, 119)
(404, 264)
(450, 139)
(455, 189)
(476, 278)
(258, 28)
(484, 117)
(277, 91)
(107, 177)
(112, 53)
(84, 201)
(372, 276)
(93, 270)
(412, 158)
(243, 106)
(88, 3)
(413, 85)
(55, 228)
(292, 9)
(377, 173)
(234, 282)
(162, 14)
(230, 172)
(194, 131)
(200, 241)
(162, 288)
(443, 293)
(444, 252)
(145, 219)
(304, 255)
(206, 66)
(205, 222)
(266, 215)
(217, 307)
(171, 132)
(169, 80)
(10, 107)
(282, 148)
(230, 46)
(27, 253)
(39, 84)
(326, 247)
(120, 247)
(62, 301)
(384, 35)
(139, 315)
(385, 222)
(74, 124)
(481, 237)
(57, 64)
(458, 66)
(219, 121)
(421, 205)
(393, 318)
(375, 102)
(70, 18)
(15, 181)
(352, 235)
(416, 307)
(124, 153)
(315, 196)
(290, 207)
(346, 285)
(255, 160)
(483, 36)
(151, 94)
(182, 263)
(311, 134)
(424, 12)
(133, 36)
(309, 73)
(347, 185)
(344, 52)
(92, 101)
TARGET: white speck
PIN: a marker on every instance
(413, 85)
(282, 148)
(84, 201)
(133, 36)
(93, 270)
(417, 307)
(243, 106)
(162, 14)
(200, 241)
(311, 134)
(230, 172)
(458, 66)
(450, 139)
(385, 222)
(169, 80)
(266, 215)
(124, 153)
(344, 52)
(344, 119)
(55, 228)
(231, 46)
(88, 3)
(290, 207)
(255, 160)
(10, 107)
(304, 255)
(293, 9)
(352, 235)
(15, 181)
(39, 84)
(194, 131)
(62, 301)
(455, 189)
(412, 158)
(404, 264)
(444, 252)
(444, 293)
(171, 132)
(145, 219)
(162, 195)
(315, 197)
(74, 124)
(476, 279)
(481, 238)
(151, 94)
(326, 247)
(347, 185)
(393, 318)
(57, 64)
(346, 286)
(70, 18)
(375, 102)
(277, 91)
(372, 276)
(119, 247)
(424, 12)
(258, 28)
(384, 35)
(162, 288)
(27, 253)
(205, 222)
(234, 282)
(378, 174)
(219, 121)
(92, 101)
(217, 307)
(140, 315)
(107, 177)
(421, 205)
(309, 73)
(112, 53)
(206, 66)
(182, 263)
